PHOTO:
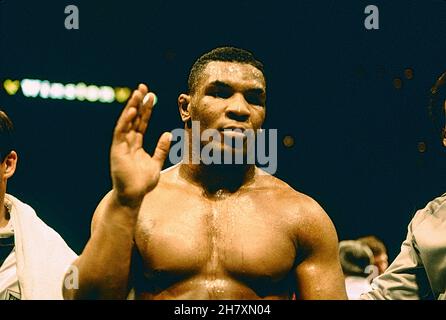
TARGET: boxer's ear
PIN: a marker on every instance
(184, 107)
(10, 163)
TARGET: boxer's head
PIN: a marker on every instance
(224, 54)
(227, 90)
(7, 154)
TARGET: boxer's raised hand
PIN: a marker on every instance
(134, 172)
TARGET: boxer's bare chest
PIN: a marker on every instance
(239, 236)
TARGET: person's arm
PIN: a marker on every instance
(104, 265)
(405, 278)
(318, 273)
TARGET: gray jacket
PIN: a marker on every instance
(419, 271)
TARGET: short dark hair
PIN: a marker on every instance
(355, 257)
(436, 105)
(227, 54)
(6, 135)
(376, 245)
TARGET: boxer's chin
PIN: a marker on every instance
(233, 152)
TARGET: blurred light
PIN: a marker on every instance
(44, 89)
(81, 90)
(33, 88)
(30, 88)
(288, 141)
(106, 94)
(408, 72)
(57, 91)
(421, 147)
(11, 86)
(70, 92)
(397, 83)
(122, 94)
(92, 93)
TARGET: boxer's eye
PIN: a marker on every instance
(223, 93)
(219, 89)
(255, 97)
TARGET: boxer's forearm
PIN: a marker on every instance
(104, 265)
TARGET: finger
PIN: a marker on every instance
(136, 122)
(138, 105)
(127, 115)
(148, 101)
(162, 149)
(140, 93)
(143, 89)
(137, 142)
(130, 116)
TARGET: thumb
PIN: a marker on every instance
(162, 149)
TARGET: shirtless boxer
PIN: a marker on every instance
(200, 231)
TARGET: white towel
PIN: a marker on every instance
(43, 257)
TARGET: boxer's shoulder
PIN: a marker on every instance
(284, 192)
(298, 207)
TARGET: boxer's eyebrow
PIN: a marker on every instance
(256, 91)
(219, 88)
(218, 84)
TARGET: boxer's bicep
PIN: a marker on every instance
(319, 273)
(98, 213)
(97, 217)
(104, 265)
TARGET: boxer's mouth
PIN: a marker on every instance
(234, 131)
(234, 127)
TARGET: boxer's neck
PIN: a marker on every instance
(216, 178)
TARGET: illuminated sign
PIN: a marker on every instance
(44, 89)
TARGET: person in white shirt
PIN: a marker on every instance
(33, 257)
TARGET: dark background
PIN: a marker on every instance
(330, 86)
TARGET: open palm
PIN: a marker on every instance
(134, 172)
